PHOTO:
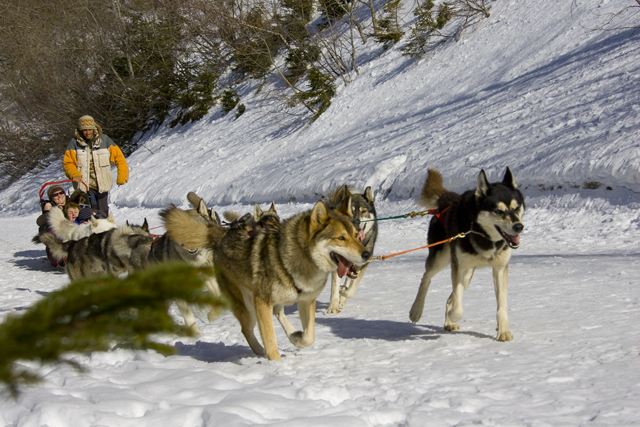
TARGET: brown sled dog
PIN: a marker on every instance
(278, 264)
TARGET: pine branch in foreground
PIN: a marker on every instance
(96, 314)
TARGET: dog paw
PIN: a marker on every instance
(274, 356)
(451, 327)
(415, 314)
(298, 339)
(213, 314)
(504, 336)
(332, 309)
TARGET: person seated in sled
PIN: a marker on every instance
(71, 211)
(88, 159)
(84, 216)
(57, 200)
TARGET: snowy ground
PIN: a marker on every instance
(531, 88)
(573, 306)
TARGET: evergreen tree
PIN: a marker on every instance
(390, 31)
(428, 25)
(255, 44)
(197, 86)
(241, 110)
(321, 89)
(299, 58)
(153, 74)
(332, 10)
(229, 100)
(96, 314)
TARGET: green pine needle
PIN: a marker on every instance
(96, 314)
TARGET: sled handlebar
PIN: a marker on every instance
(58, 182)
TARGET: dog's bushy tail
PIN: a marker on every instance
(432, 190)
(191, 231)
(194, 199)
(230, 216)
(61, 226)
(58, 249)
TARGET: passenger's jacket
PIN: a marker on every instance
(103, 151)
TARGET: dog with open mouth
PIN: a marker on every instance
(278, 263)
(491, 215)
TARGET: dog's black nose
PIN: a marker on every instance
(518, 227)
(366, 255)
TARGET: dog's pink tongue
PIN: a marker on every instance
(516, 239)
(361, 236)
(343, 266)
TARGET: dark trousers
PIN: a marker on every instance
(100, 203)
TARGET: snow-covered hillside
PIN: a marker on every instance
(531, 88)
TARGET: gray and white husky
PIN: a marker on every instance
(113, 252)
(492, 213)
(166, 249)
(363, 214)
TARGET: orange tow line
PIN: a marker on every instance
(442, 242)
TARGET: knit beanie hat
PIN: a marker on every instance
(87, 122)
(85, 214)
(54, 189)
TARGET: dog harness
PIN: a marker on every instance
(440, 214)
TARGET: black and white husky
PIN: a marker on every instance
(493, 215)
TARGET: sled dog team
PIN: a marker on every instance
(263, 263)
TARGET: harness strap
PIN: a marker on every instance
(440, 214)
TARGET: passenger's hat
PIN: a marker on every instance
(54, 189)
(84, 215)
(87, 122)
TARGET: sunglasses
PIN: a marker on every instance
(85, 206)
(59, 193)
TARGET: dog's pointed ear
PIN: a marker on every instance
(509, 180)
(215, 217)
(94, 221)
(319, 216)
(127, 222)
(145, 225)
(257, 212)
(345, 208)
(483, 185)
(368, 195)
(344, 192)
(173, 206)
(202, 208)
(110, 218)
(272, 208)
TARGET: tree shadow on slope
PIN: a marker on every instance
(563, 65)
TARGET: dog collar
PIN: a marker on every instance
(481, 233)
